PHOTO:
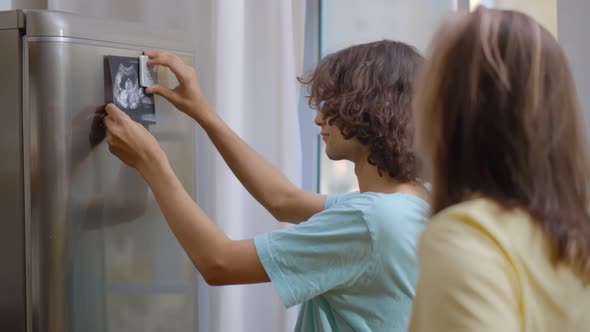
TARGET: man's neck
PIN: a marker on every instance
(369, 180)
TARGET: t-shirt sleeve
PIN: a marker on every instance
(331, 249)
(333, 199)
(466, 281)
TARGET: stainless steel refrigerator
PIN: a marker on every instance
(83, 245)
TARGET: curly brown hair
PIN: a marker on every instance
(366, 91)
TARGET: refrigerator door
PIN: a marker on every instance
(102, 257)
(12, 225)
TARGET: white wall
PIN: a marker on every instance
(175, 14)
(5, 4)
(23, 4)
(573, 27)
(544, 11)
(349, 22)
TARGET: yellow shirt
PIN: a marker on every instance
(484, 268)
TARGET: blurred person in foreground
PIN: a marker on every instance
(499, 127)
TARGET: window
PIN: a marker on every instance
(347, 22)
(544, 11)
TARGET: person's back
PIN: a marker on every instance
(498, 125)
(511, 258)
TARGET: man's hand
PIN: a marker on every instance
(187, 96)
(130, 141)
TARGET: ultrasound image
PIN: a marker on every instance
(122, 88)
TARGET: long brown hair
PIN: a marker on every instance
(497, 116)
(366, 90)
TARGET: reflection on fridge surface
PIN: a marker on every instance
(99, 255)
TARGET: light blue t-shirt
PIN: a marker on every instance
(353, 265)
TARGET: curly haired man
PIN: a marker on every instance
(351, 258)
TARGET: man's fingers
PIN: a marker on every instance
(109, 138)
(113, 150)
(109, 122)
(117, 114)
(162, 91)
(152, 54)
(171, 61)
(112, 110)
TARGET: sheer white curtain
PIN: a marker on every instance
(248, 55)
(254, 51)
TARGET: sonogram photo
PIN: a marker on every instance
(122, 88)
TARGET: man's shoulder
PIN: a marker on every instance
(394, 203)
(377, 206)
